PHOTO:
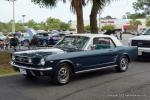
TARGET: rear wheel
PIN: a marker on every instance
(62, 75)
(123, 64)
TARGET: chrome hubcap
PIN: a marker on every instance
(124, 63)
(63, 74)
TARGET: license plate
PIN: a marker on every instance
(139, 53)
(23, 71)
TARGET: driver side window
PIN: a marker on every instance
(103, 43)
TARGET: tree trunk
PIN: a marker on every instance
(93, 19)
(79, 12)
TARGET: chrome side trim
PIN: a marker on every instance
(89, 70)
(101, 64)
(38, 69)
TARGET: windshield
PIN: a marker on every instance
(73, 42)
(147, 32)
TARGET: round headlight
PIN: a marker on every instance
(42, 62)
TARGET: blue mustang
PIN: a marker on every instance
(74, 54)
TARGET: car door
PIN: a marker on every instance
(107, 51)
(102, 54)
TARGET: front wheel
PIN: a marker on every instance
(123, 64)
(62, 75)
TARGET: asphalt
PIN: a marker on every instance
(105, 84)
(100, 85)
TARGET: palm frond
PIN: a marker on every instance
(47, 3)
(100, 4)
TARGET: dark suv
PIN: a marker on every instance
(48, 38)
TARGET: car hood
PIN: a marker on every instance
(141, 37)
(39, 52)
(2, 37)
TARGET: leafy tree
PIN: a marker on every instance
(137, 15)
(53, 23)
(5, 27)
(147, 22)
(108, 27)
(64, 26)
(135, 22)
(43, 26)
(142, 6)
(19, 27)
(108, 17)
(87, 28)
(33, 24)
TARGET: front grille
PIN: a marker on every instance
(141, 43)
(22, 59)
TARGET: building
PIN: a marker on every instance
(118, 23)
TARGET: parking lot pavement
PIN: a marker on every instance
(101, 85)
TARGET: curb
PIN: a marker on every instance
(7, 75)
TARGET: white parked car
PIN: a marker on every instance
(2, 37)
(142, 42)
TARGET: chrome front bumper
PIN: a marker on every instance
(29, 68)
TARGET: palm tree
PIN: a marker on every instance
(97, 6)
(76, 7)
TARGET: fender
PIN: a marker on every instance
(66, 61)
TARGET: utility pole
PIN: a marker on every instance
(23, 21)
(13, 21)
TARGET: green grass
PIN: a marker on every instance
(5, 67)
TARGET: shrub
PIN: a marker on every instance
(108, 27)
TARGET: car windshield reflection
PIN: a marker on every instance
(73, 42)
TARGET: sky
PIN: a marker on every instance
(62, 11)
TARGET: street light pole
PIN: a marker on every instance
(23, 20)
(13, 23)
